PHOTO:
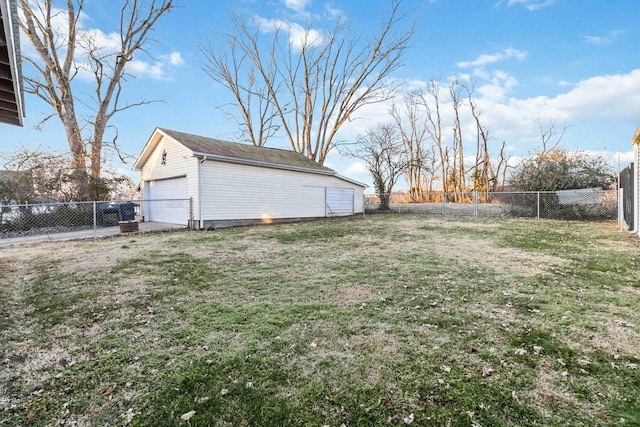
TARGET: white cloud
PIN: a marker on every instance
(297, 5)
(624, 158)
(333, 12)
(357, 168)
(485, 59)
(531, 4)
(609, 38)
(175, 58)
(614, 96)
(298, 35)
(499, 86)
(155, 70)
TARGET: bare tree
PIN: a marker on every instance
(304, 89)
(59, 63)
(385, 156)
(549, 137)
(28, 175)
(434, 129)
(458, 170)
(482, 166)
(411, 122)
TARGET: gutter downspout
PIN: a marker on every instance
(200, 210)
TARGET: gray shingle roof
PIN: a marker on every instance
(245, 153)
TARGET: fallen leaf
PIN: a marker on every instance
(187, 416)
(445, 368)
(106, 390)
(520, 352)
(537, 349)
(487, 371)
(128, 416)
(584, 362)
(409, 419)
(224, 391)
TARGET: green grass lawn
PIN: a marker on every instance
(388, 320)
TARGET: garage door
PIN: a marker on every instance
(339, 201)
(167, 201)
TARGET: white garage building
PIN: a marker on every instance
(205, 182)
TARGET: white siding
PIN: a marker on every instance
(240, 192)
(179, 163)
(636, 172)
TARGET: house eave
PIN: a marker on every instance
(11, 85)
(146, 151)
(352, 181)
(262, 164)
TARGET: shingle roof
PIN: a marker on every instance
(245, 153)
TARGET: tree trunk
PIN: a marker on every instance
(384, 201)
(78, 154)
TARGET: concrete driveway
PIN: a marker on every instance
(143, 227)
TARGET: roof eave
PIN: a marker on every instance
(12, 36)
(352, 181)
(148, 148)
(262, 164)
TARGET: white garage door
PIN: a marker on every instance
(167, 201)
(339, 201)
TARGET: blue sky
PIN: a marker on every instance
(575, 62)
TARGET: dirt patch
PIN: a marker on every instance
(350, 294)
(548, 393)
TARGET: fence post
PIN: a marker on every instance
(364, 207)
(621, 221)
(538, 210)
(191, 213)
(475, 203)
(95, 219)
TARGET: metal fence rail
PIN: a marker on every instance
(59, 217)
(583, 205)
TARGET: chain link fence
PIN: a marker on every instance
(51, 218)
(58, 217)
(591, 204)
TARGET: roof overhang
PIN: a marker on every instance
(352, 181)
(11, 85)
(148, 148)
(261, 164)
